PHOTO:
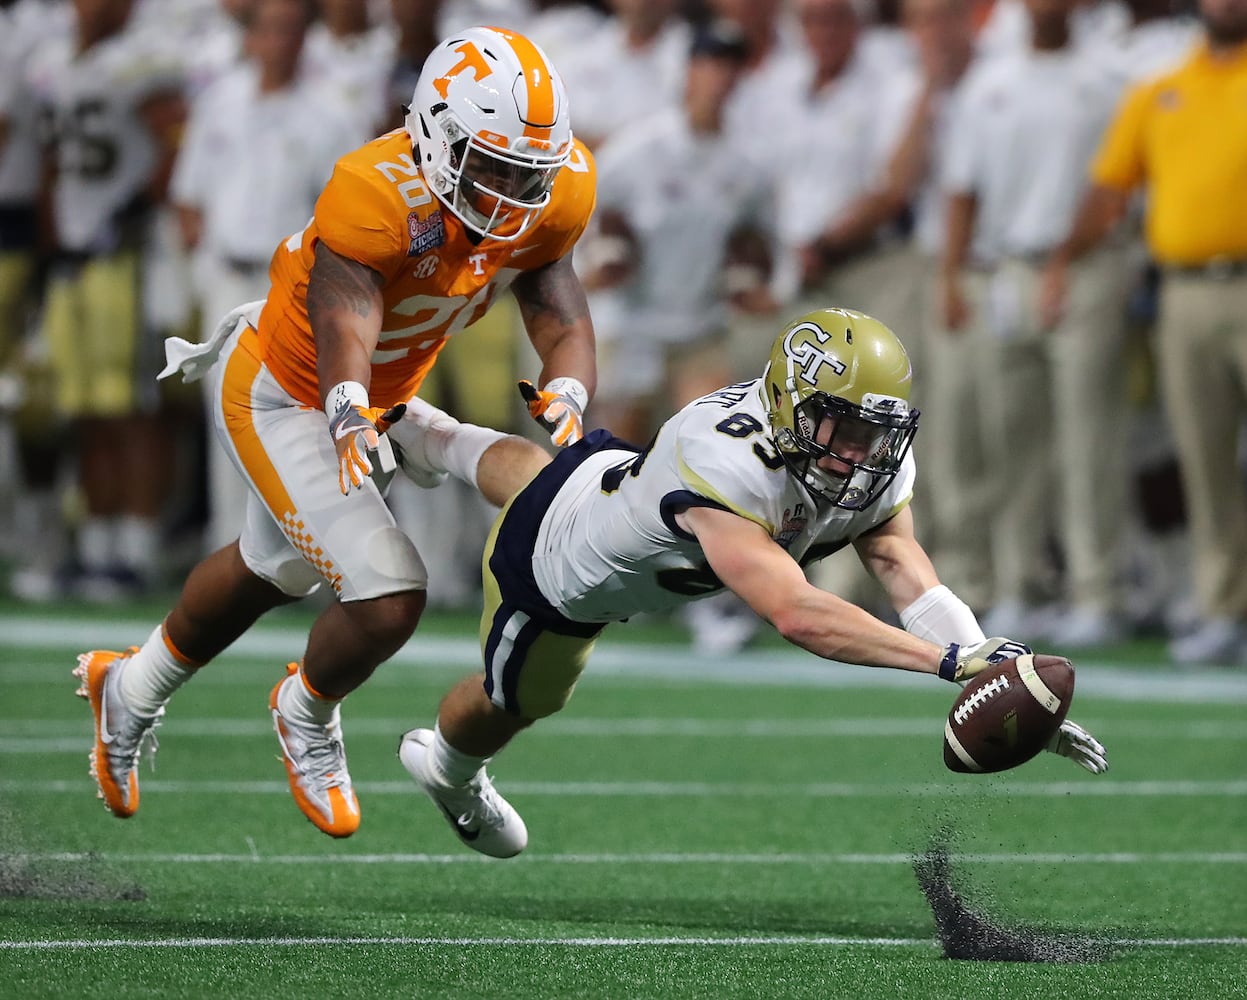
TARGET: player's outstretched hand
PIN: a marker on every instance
(559, 408)
(961, 663)
(356, 431)
(1074, 742)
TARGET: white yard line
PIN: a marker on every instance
(662, 858)
(40, 736)
(1088, 788)
(769, 667)
(87, 944)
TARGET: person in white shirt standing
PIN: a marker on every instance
(29, 438)
(955, 527)
(1052, 399)
(260, 145)
(112, 98)
(682, 233)
(351, 51)
(836, 131)
(631, 64)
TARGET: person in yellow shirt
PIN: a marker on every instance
(1183, 136)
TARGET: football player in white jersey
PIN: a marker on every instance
(740, 489)
(110, 97)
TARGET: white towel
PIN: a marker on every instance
(194, 360)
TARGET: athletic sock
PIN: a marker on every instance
(303, 705)
(138, 544)
(97, 542)
(151, 675)
(456, 767)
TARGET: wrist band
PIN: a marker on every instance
(345, 394)
(948, 663)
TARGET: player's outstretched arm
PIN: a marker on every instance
(766, 578)
(930, 610)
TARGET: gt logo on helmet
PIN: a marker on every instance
(807, 356)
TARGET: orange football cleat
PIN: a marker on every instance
(119, 733)
(316, 766)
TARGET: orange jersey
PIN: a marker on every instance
(378, 209)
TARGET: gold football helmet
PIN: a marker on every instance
(837, 395)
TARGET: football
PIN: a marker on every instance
(1007, 714)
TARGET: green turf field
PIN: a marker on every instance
(741, 828)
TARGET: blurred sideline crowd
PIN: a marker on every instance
(952, 167)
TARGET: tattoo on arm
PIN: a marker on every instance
(337, 283)
(551, 295)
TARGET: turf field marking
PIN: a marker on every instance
(612, 658)
(662, 858)
(87, 944)
(39, 736)
(1089, 788)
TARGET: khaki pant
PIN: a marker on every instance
(1055, 418)
(104, 360)
(953, 513)
(1202, 347)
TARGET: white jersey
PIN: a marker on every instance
(683, 195)
(832, 147)
(1022, 136)
(615, 84)
(255, 162)
(105, 154)
(836, 143)
(23, 26)
(609, 547)
(356, 67)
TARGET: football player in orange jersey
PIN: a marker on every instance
(413, 238)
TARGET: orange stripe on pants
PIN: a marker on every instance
(241, 371)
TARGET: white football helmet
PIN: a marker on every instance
(489, 120)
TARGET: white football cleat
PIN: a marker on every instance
(409, 434)
(119, 733)
(315, 761)
(480, 817)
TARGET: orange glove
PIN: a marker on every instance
(357, 430)
(559, 408)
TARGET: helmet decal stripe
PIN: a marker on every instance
(538, 88)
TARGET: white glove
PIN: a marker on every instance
(1074, 742)
(961, 663)
(559, 408)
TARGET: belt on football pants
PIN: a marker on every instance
(1216, 269)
